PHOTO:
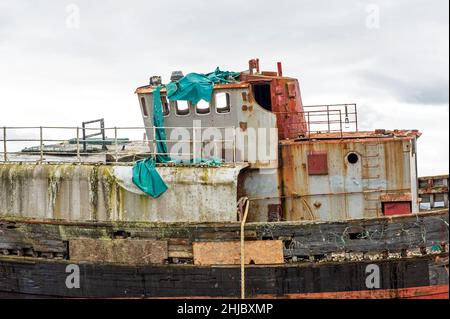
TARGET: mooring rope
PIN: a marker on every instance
(244, 219)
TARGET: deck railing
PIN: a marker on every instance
(126, 144)
(66, 144)
(328, 118)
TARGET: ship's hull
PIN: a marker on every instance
(388, 257)
(418, 277)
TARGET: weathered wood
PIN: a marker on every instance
(48, 278)
(390, 234)
(260, 252)
(118, 251)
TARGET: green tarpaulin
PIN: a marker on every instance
(195, 87)
(192, 87)
(147, 179)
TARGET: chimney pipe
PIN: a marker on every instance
(280, 69)
(253, 65)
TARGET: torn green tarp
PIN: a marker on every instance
(192, 87)
(195, 86)
(147, 179)
(160, 132)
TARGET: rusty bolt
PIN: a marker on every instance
(243, 125)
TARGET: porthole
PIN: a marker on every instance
(352, 158)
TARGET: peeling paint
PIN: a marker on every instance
(94, 193)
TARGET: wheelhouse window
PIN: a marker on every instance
(202, 107)
(165, 105)
(181, 107)
(144, 107)
(222, 102)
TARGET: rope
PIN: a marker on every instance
(244, 218)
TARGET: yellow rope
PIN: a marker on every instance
(244, 218)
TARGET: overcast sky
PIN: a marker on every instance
(63, 62)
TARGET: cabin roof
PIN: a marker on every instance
(358, 136)
(246, 80)
(150, 88)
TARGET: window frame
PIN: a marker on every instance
(200, 113)
(175, 104)
(165, 103)
(144, 109)
(228, 103)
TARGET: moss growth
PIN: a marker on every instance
(53, 182)
(93, 191)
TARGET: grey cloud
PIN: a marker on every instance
(93, 71)
(426, 91)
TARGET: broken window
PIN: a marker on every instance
(181, 107)
(144, 107)
(202, 107)
(222, 101)
(261, 93)
(165, 105)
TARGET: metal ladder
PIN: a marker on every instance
(371, 172)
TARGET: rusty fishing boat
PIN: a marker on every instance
(261, 197)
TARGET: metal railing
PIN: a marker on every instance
(101, 133)
(329, 118)
(79, 146)
(40, 145)
(348, 117)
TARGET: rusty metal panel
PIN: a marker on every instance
(318, 163)
(396, 208)
(291, 90)
(122, 251)
(261, 185)
(349, 190)
(396, 197)
(258, 252)
(287, 104)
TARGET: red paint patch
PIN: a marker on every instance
(396, 208)
(318, 163)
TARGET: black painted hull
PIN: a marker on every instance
(28, 277)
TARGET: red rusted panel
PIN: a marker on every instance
(318, 163)
(425, 292)
(287, 105)
(396, 208)
(286, 102)
(292, 90)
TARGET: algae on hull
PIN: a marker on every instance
(93, 193)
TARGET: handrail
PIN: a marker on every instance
(16, 147)
(317, 119)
